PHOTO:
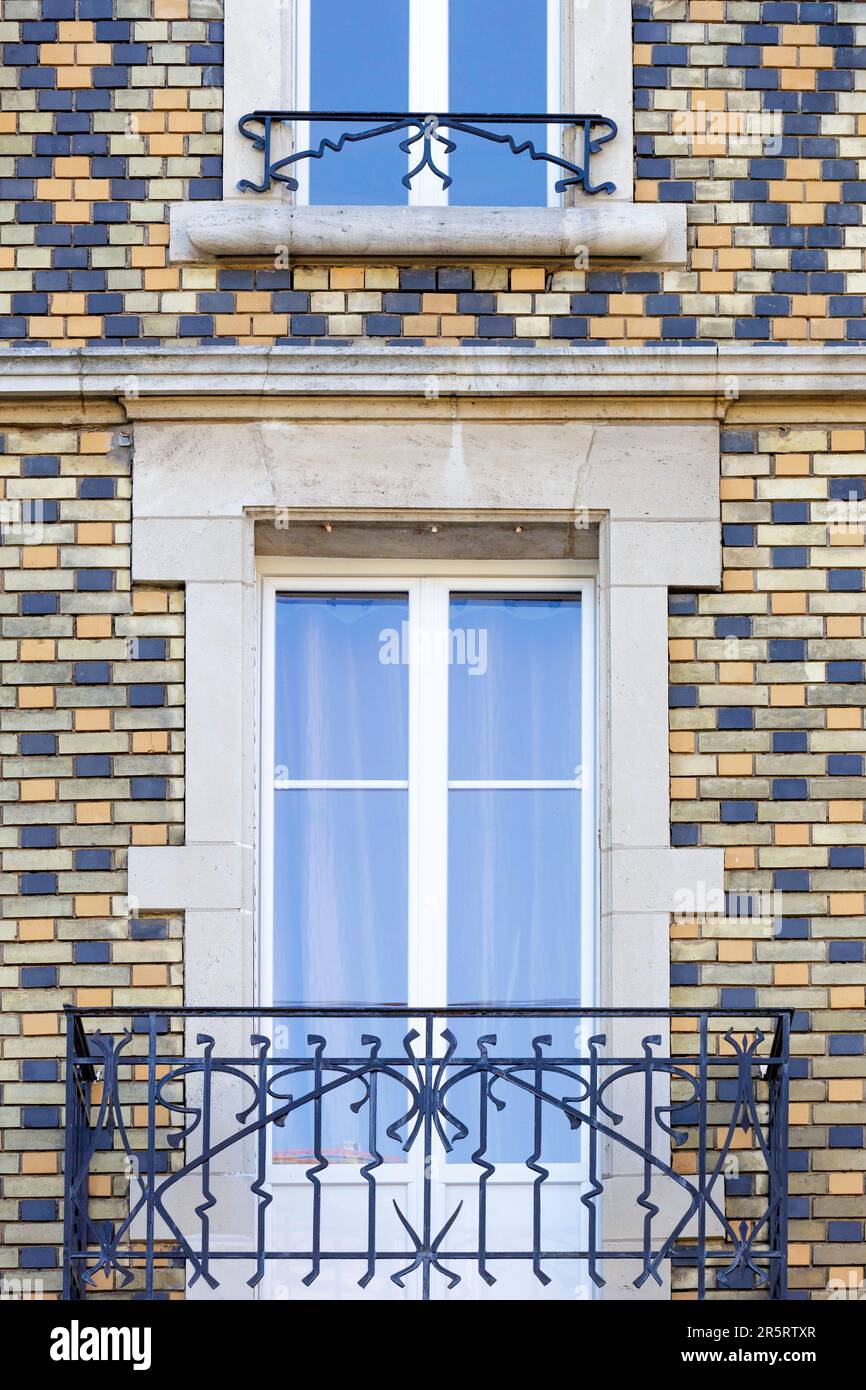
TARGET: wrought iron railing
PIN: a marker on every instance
(424, 135)
(575, 1147)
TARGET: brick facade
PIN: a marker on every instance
(110, 110)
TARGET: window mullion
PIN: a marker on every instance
(428, 794)
(428, 90)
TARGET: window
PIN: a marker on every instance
(428, 823)
(428, 57)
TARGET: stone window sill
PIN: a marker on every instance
(643, 232)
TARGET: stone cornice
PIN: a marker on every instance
(723, 374)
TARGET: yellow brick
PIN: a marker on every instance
(37, 649)
(35, 697)
(848, 996)
(682, 742)
(149, 601)
(149, 835)
(735, 764)
(843, 719)
(681, 649)
(846, 1184)
(845, 812)
(684, 788)
(787, 696)
(93, 625)
(848, 905)
(790, 973)
(149, 975)
(150, 741)
(789, 603)
(739, 951)
(740, 857)
(40, 1025)
(93, 813)
(92, 720)
(40, 1164)
(736, 672)
(848, 441)
(39, 789)
(39, 557)
(95, 533)
(841, 1090)
(791, 835)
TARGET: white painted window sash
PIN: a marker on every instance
(428, 784)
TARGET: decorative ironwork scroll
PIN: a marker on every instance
(425, 136)
(153, 1101)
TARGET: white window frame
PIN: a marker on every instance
(429, 588)
(429, 72)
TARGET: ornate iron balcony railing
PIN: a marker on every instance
(425, 135)
(200, 1149)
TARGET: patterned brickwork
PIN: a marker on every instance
(91, 728)
(110, 110)
(767, 760)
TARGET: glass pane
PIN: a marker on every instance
(359, 62)
(514, 937)
(340, 937)
(513, 896)
(498, 64)
(342, 688)
(514, 687)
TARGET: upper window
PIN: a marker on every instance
(428, 57)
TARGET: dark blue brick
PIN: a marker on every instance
(38, 884)
(38, 605)
(146, 696)
(682, 697)
(682, 605)
(38, 745)
(94, 581)
(41, 466)
(195, 326)
(846, 1136)
(495, 326)
(738, 535)
(787, 649)
(122, 326)
(38, 976)
(476, 303)
(790, 789)
(791, 880)
(844, 1231)
(734, 718)
(41, 1116)
(847, 857)
(38, 1209)
(148, 929)
(148, 788)
(845, 581)
(313, 325)
(568, 327)
(96, 489)
(38, 1257)
(844, 672)
(38, 837)
(684, 835)
(92, 953)
(844, 952)
(845, 765)
(93, 861)
(793, 929)
(790, 741)
(677, 191)
(733, 627)
(685, 974)
(789, 557)
(738, 999)
(92, 765)
(737, 442)
(40, 1069)
(790, 513)
(92, 672)
(290, 302)
(383, 325)
(739, 812)
(454, 278)
(415, 278)
(846, 1045)
(678, 328)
